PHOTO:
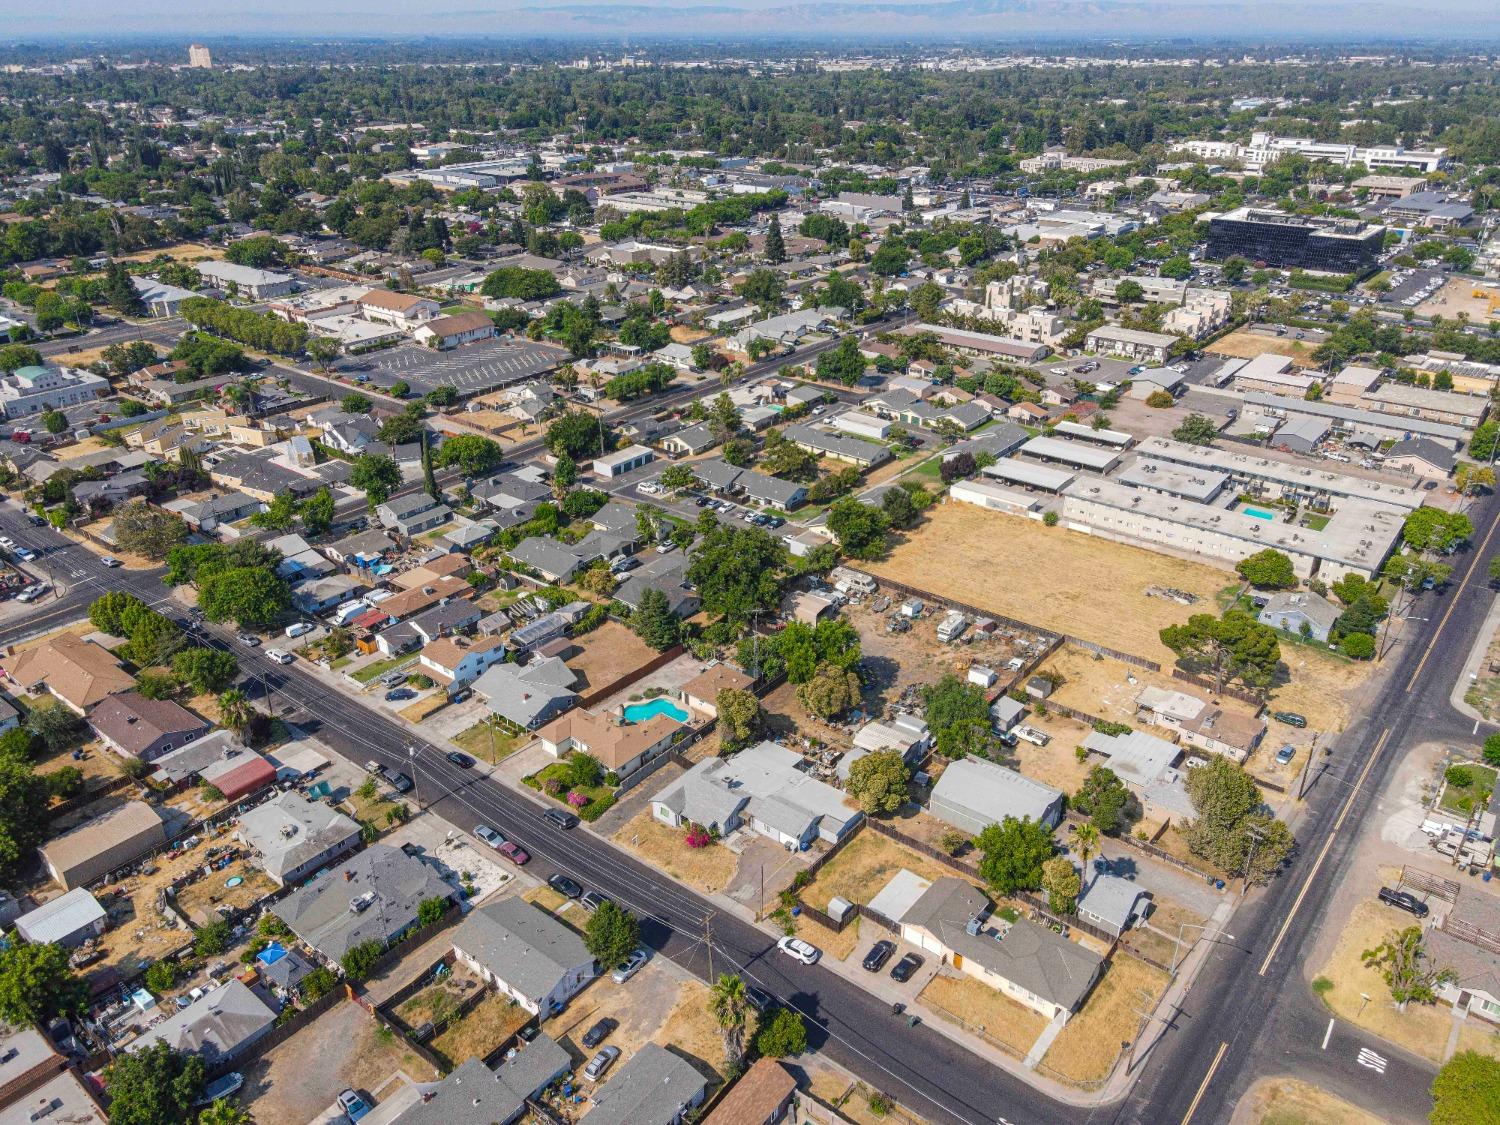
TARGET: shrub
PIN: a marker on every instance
(577, 799)
(697, 836)
(318, 983)
(161, 976)
(212, 939)
(596, 808)
(1460, 777)
(1050, 519)
(1322, 985)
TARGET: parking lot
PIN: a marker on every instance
(1413, 287)
(470, 370)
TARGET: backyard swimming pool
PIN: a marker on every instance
(640, 712)
(1259, 513)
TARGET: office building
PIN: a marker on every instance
(199, 57)
(1295, 241)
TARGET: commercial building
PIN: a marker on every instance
(1285, 241)
(35, 390)
(1131, 343)
(451, 331)
(405, 311)
(980, 344)
(624, 461)
(1351, 420)
(258, 285)
(1265, 148)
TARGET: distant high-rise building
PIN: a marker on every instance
(198, 56)
(1285, 241)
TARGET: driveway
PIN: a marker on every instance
(765, 870)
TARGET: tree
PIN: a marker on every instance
(235, 711)
(1232, 647)
(926, 298)
(729, 1005)
(735, 570)
(781, 1036)
(1012, 854)
(724, 419)
(831, 692)
(1231, 828)
(1267, 570)
(149, 532)
(1482, 441)
(1196, 429)
(877, 781)
(280, 513)
(1178, 266)
(37, 983)
(739, 718)
(54, 421)
(764, 288)
(323, 350)
(225, 1112)
(611, 935)
(676, 478)
(248, 596)
(1106, 800)
(775, 242)
(56, 726)
(356, 403)
(842, 364)
(1128, 292)
(474, 454)
(358, 962)
(207, 670)
(154, 1086)
(1402, 960)
(318, 511)
(577, 434)
(860, 528)
(1062, 883)
(115, 612)
(1432, 529)
(22, 793)
(431, 910)
(376, 475)
(654, 622)
(1492, 749)
(891, 258)
(402, 429)
(1086, 841)
(1466, 1091)
(898, 508)
(956, 712)
(958, 467)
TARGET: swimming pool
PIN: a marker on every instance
(1259, 513)
(640, 712)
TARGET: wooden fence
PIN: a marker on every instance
(660, 660)
(1233, 693)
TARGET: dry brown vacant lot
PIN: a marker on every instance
(607, 653)
(1248, 345)
(1286, 1101)
(708, 869)
(1060, 580)
(1085, 1049)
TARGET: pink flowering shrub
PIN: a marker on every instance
(577, 799)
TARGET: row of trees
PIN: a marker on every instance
(262, 331)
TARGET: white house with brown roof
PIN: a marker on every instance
(405, 311)
(701, 693)
(78, 673)
(456, 663)
(452, 331)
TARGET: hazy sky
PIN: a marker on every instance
(846, 19)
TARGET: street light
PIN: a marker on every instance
(411, 754)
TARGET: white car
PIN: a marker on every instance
(280, 657)
(799, 950)
(488, 835)
(110, 561)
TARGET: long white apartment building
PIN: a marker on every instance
(1267, 148)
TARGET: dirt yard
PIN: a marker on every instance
(709, 869)
(864, 867)
(482, 1030)
(1324, 687)
(1457, 296)
(608, 653)
(917, 656)
(1101, 686)
(1248, 345)
(961, 999)
(201, 899)
(692, 1029)
(1060, 580)
(1422, 1028)
(1085, 1049)
(1286, 1101)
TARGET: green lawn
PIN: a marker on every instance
(379, 668)
(1462, 798)
(932, 467)
(477, 740)
(601, 797)
(1315, 521)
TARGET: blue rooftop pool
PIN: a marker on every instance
(1259, 513)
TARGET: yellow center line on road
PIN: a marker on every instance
(1452, 605)
(1207, 1078)
(1323, 854)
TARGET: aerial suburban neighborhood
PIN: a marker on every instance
(672, 565)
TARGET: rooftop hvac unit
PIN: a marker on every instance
(972, 926)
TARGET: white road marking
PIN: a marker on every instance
(1328, 1034)
(1369, 1058)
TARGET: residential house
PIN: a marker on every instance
(372, 895)
(30, 1066)
(78, 673)
(763, 789)
(762, 1096)
(409, 603)
(654, 1087)
(291, 837)
(432, 569)
(667, 573)
(1112, 903)
(620, 747)
(218, 759)
(63, 1098)
(1006, 712)
(972, 794)
(456, 664)
(689, 441)
(1467, 940)
(223, 508)
(1301, 612)
(773, 491)
(525, 953)
(322, 594)
(906, 734)
(452, 331)
(68, 920)
(1021, 959)
(1148, 767)
(458, 615)
(134, 726)
(412, 514)
(701, 693)
(473, 1094)
(1206, 725)
(219, 1026)
(1427, 459)
(527, 696)
(1131, 343)
(116, 836)
(837, 447)
(554, 561)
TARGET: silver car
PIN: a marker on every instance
(600, 1063)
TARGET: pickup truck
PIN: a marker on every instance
(1033, 736)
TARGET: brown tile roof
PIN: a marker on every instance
(417, 599)
(459, 322)
(448, 566)
(716, 678)
(395, 302)
(613, 743)
(132, 722)
(1239, 729)
(763, 1089)
(73, 669)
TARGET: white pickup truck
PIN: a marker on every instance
(1032, 735)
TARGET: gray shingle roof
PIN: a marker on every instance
(522, 945)
(652, 1088)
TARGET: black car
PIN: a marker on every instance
(879, 954)
(460, 759)
(1403, 900)
(906, 968)
(560, 818)
(565, 886)
(759, 998)
(598, 1033)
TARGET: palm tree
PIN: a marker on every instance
(728, 1003)
(1086, 840)
(225, 1112)
(234, 710)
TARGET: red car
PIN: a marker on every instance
(513, 853)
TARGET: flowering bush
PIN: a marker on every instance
(552, 787)
(698, 837)
(577, 799)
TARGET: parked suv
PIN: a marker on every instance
(879, 954)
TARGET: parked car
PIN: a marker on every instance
(25, 554)
(353, 1105)
(630, 966)
(249, 640)
(1284, 755)
(398, 693)
(459, 759)
(7, 542)
(761, 1000)
(906, 968)
(879, 954)
(593, 900)
(1290, 718)
(280, 657)
(799, 950)
(485, 834)
(110, 561)
(600, 1063)
(513, 852)
(560, 818)
(1403, 900)
(565, 886)
(397, 781)
(598, 1033)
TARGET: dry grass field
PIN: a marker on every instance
(709, 869)
(1060, 580)
(1248, 345)
(864, 867)
(1286, 1101)
(1086, 1048)
(607, 653)
(979, 1005)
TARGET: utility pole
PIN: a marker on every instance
(1256, 835)
(1307, 768)
(411, 754)
(708, 943)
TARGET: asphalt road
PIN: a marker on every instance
(155, 331)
